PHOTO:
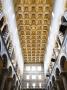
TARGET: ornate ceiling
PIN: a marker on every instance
(33, 20)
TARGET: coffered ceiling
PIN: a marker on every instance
(33, 19)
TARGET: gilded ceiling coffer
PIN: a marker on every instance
(33, 21)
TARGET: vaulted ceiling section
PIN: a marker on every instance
(33, 19)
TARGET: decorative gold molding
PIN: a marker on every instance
(33, 20)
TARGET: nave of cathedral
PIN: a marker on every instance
(33, 44)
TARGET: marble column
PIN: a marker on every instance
(57, 83)
(13, 84)
(60, 85)
(4, 77)
(54, 86)
(16, 86)
(13, 87)
(9, 83)
(50, 86)
(64, 77)
(19, 88)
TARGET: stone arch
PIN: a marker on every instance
(4, 56)
(50, 84)
(10, 71)
(48, 87)
(13, 82)
(1, 22)
(63, 63)
(53, 79)
(59, 80)
(17, 84)
(57, 72)
(63, 26)
(4, 73)
(54, 85)
(5, 29)
(63, 19)
(14, 77)
(19, 87)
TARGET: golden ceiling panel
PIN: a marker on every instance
(33, 20)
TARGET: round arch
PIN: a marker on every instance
(14, 77)
(10, 71)
(63, 63)
(57, 72)
(53, 79)
(4, 57)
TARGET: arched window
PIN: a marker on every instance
(53, 79)
(48, 87)
(14, 77)
(57, 72)
(4, 60)
(63, 62)
(5, 30)
(63, 59)
(63, 25)
(1, 22)
(10, 71)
